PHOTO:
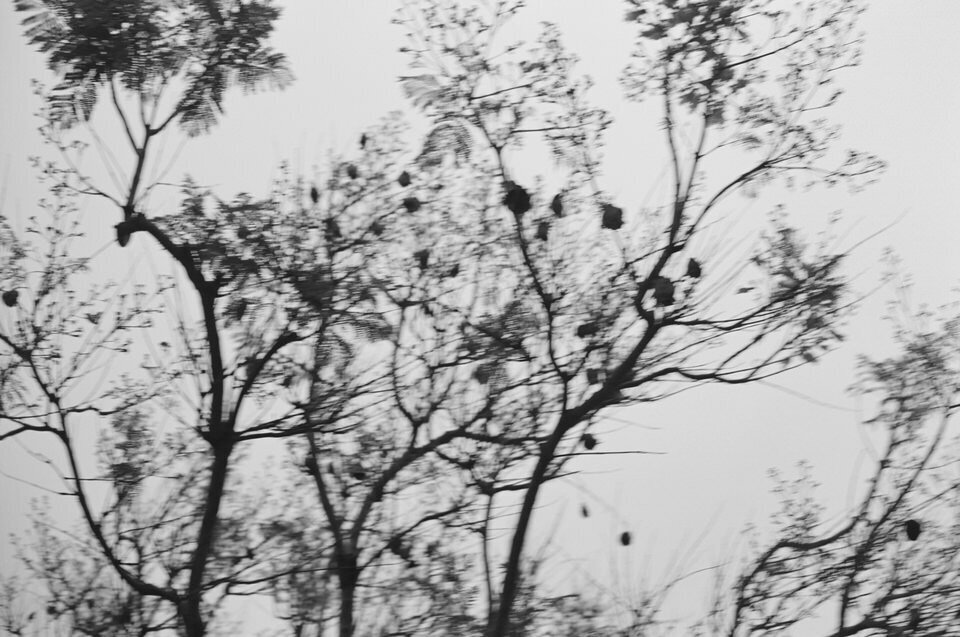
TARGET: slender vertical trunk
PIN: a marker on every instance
(347, 571)
(500, 621)
(192, 603)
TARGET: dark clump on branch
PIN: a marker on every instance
(363, 141)
(915, 620)
(314, 194)
(663, 291)
(612, 217)
(589, 441)
(587, 329)
(10, 298)
(913, 529)
(331, 229)
(398, 548)
(124, 230)
(423, 258)
(693, 269)
(543, 230)
(404, 179)
(352, 171)
(517, 200)
(584, 511)
(557, 205)
(412, 204)
(625, 538)
(357, 473)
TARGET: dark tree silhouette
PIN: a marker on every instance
(433, 333)
(739, 78)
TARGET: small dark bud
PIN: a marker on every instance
(10, 298)
(352, 171)
(589, 441)
(693, 269)
(404, 179)
(314, 194)
(363, 141)
(543, 230)
(625, 538)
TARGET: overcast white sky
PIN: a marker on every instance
(902, 104)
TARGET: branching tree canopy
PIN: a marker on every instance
(890, 568)
(429, 332)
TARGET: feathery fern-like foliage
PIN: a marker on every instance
(144, 44)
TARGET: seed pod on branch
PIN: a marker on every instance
(612, 217)
(517, 200)
(423, 258)
(556, 205)
(589, 441)
(412, 204)
(588, 329)
(913, 529)
(663, 291)
(124, 230)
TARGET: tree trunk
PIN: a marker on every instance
(500, 621)
(191, 606)
(347, 571)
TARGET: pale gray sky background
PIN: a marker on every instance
(902, 104)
